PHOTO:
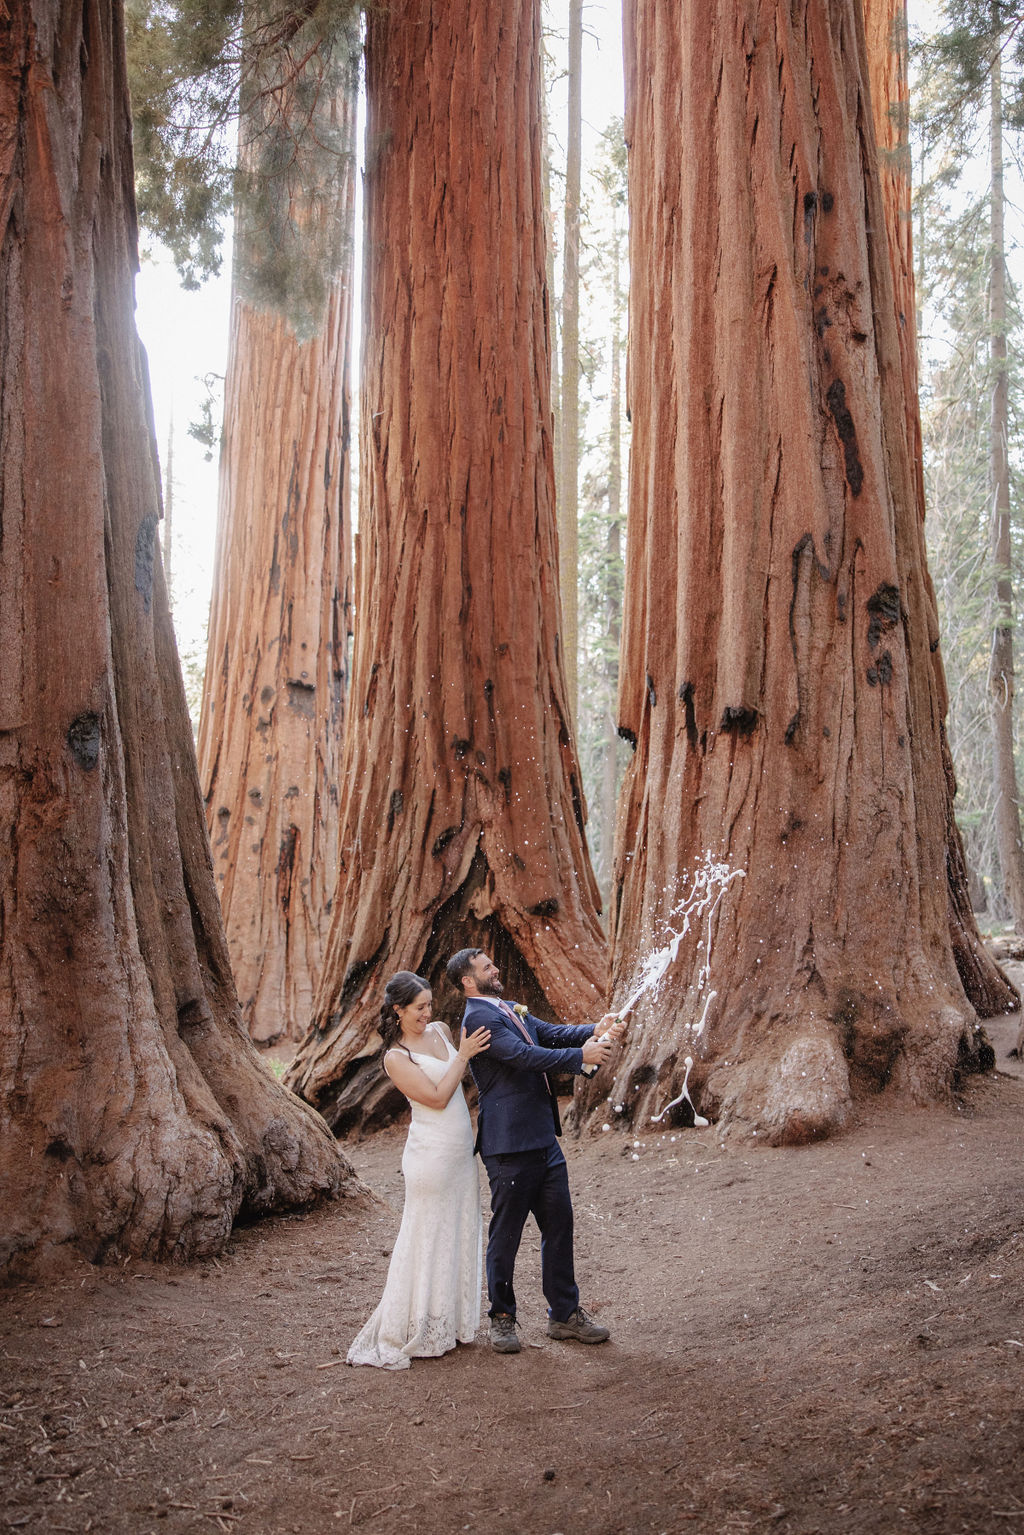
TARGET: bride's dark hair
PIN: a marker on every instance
(404, 987)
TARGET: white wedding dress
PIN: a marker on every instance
(431, 1300)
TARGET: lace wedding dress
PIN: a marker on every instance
(431, 1299)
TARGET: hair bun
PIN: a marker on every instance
(403, 987)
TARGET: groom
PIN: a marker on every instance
(517, 1134)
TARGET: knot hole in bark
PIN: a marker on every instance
(84, 740)
(883, 612)
(577, 805)
(881, 674)
(286, 867)
(689, 713)
(840, 413)
(442, 840)
(739, 720)
(301, 696)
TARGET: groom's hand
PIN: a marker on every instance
(596, 1050)
(611, 1027)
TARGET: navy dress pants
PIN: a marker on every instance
(531, 1183)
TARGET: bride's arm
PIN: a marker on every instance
(411, 1080)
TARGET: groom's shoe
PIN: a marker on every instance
(503, 1333)
(578, 1326)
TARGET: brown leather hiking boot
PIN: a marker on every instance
(579, 1328)
(503, 1333)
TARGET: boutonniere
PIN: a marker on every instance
(521, 1009)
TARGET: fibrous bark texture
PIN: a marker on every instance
(135, 1116)
(569, 416)
(777, 675)
(1001, 678)
(461, 808)
(274, 691)
(987, 988)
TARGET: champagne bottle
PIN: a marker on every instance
(588, 1071)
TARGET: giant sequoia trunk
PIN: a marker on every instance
(987, 988)
(1001, 679)
(777, 675)
(135, 1115)
(569, 416)
(461, 812)
(273, 697)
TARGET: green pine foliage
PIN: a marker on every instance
(957, 60)
(235, 109)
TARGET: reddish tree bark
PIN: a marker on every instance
(777, 674)
(274, 691)
(987, 988)
(568, 500)
(135, 1117)
(461, 810)
(1001, 678)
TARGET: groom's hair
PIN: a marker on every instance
(459, 965)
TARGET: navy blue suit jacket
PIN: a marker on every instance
(517, 1111)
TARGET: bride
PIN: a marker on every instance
(431, 1300)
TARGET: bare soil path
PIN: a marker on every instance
(823, 1340)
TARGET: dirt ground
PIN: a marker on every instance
(828, 1339)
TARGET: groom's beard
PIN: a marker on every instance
(490, 988)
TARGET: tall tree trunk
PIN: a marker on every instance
(274, 691)
(461, 812)
(135, 1116)
(777, 675)
(987, 989)
(1001, 678)
(613, 586)
(549, 272)
(569, 422)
